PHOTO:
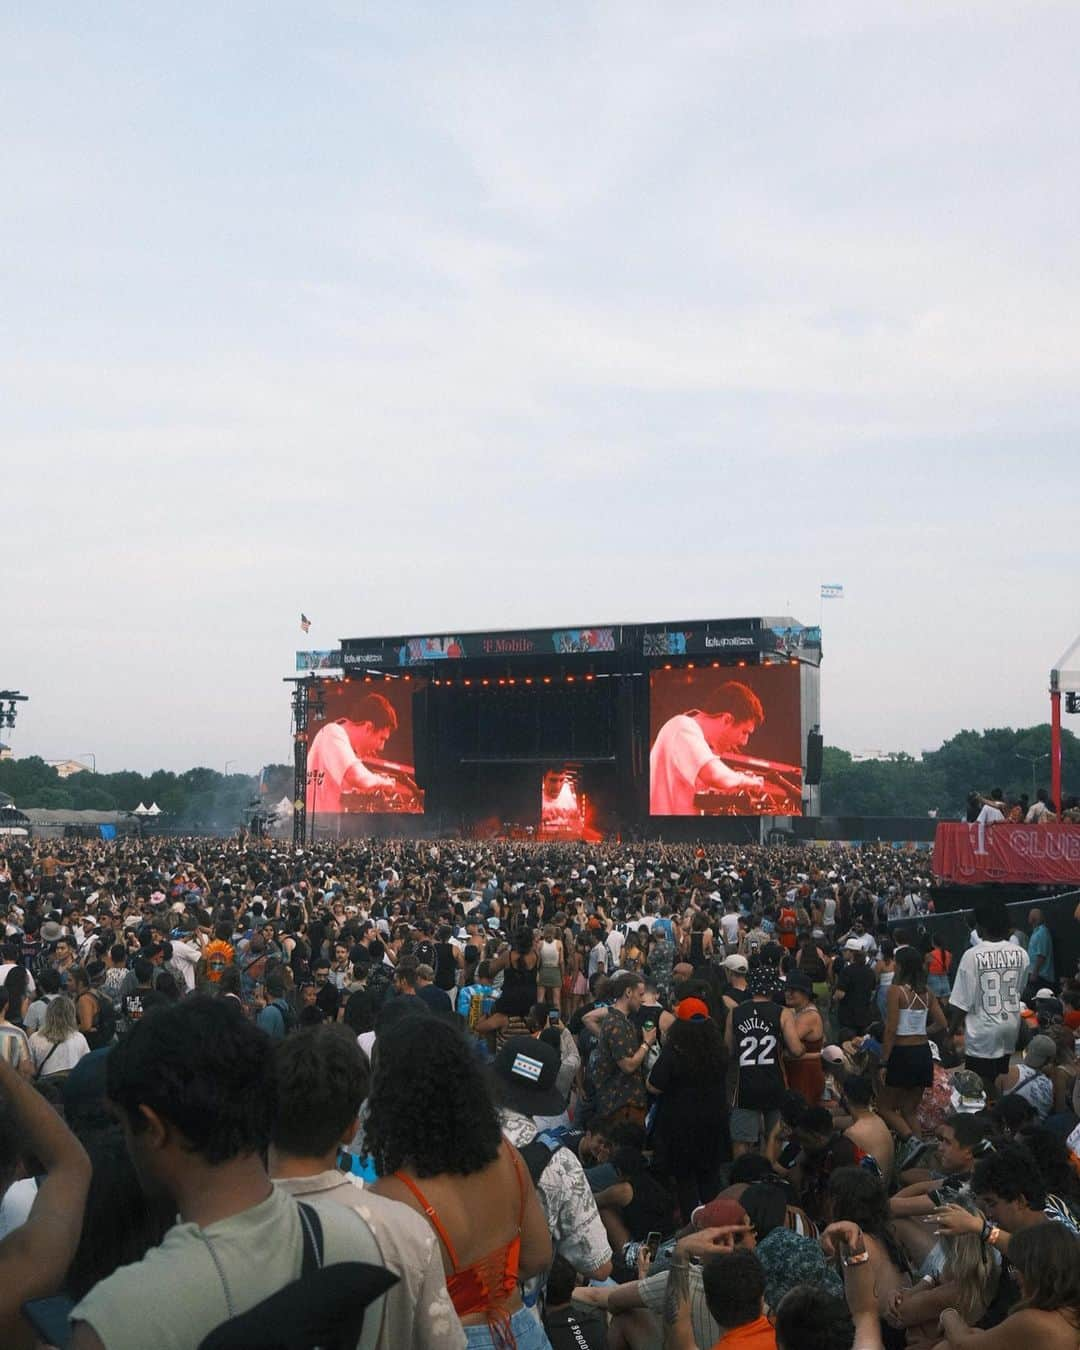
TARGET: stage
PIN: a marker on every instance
(704, 729)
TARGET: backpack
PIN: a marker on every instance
(104, 1032)
(322, 1310)
(425, 954)
(288, 1015)
(538, 1152)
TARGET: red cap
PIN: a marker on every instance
(688, 1008)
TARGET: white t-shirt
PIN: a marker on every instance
(990, 980)
(989, 815)
(615, 942)
(729, 925)
(677, 757)
(332, 754)
(828, 909)
(64, 1057)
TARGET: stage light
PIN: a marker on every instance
(485, 682)
(589, 677)
(367, 679)
(502, 681)
(528, 679)
(408, 677)
(467, 682)
(668, 666)
(741, 664)
(793, 662)
(689, 665)
(716, 665)
(547, 679)
(570, 679)
(511, 680)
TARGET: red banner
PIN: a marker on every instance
(1040, 854)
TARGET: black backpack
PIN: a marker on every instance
(425, 954)
(538, 1152)
(322, 1310)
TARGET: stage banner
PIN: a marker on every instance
(318, 660)
(422, 651)
(1037, 854)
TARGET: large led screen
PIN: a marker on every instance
(725, 741)
(360, 752)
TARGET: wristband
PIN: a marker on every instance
(857, 1258)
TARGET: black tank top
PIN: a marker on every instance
(812, 966)
(758, 1042)
(697, 955)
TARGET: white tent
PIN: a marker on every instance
(140, 810)
(153, 809)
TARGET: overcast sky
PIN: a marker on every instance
(435, 317)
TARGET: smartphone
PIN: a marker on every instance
(648, 1026)
(49, 1319)
(652, 1244)
(553, 1016)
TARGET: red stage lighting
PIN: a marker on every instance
(742, 663)
(716, 665)
(485, 682)
(569, 679)
(547, 679)
(689, 665)
(466, 682)
(511, 680)
(590, 677)
(528, 679)
(793, 662)
(502, 681)
(668, 666)
(367, 679)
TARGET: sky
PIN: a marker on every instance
(423, 318)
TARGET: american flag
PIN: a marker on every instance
(305, 622)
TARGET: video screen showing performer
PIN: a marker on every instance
(723, 745)
(568, 808)
(360, 758)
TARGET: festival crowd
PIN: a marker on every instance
(438, 1094)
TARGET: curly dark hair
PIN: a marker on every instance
(734, 1287)
(431, 1106)
(1051, 1156)
(698, 1048)
(203, 1067)
(1010, 1173)
(860, 1197)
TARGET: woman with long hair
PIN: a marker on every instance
(519, 963)
(856, 1196)
(1044, 1261)
(906, 1062)
(690, 1135)
(17, 985)
(433, 1131)
(968, 1282)
(59, 1045)
(885, 970)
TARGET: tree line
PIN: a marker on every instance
(899, 785)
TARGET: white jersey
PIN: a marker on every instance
(729, 924)
(990, 980)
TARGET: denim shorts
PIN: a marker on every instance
(528, 1333)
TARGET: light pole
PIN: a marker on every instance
(1032, 760)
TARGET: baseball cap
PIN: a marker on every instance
(1041, 1051)
(1046, 993)
(721, 1212)
(800, 982)
(832, 1054)
(693, 1010)
(526, 1069)
(737, 963)
(852, 946)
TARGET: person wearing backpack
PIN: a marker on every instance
(278, 1018)
(194, 1088)
(322, 1080)
(96, 1014)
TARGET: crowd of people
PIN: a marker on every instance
(409, 1094)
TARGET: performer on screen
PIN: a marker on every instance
(686, 757)
(560, 812)
(339, 750)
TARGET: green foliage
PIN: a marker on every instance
(942, 779)
(195, 799)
